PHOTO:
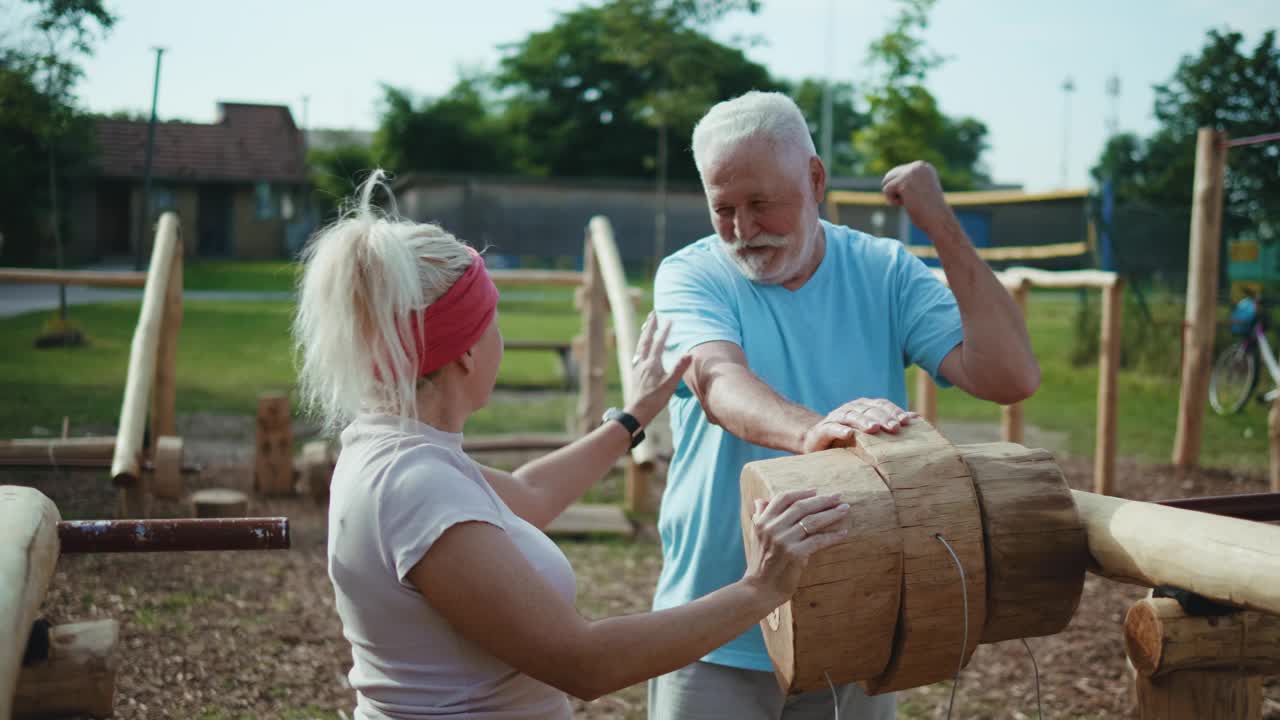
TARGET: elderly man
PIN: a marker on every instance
(800, 331)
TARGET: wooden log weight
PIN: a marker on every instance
(79, 676)
(1037, 551)
(840, 623)
(935, 501)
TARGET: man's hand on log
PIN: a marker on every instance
(869, 416)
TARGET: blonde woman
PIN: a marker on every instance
(454, 601)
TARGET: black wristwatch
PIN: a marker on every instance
(628, 421)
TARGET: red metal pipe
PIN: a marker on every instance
(179, 535)
(1264, 507)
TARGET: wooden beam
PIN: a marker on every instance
(959, 199)
(1109, 348)
(91, 278)
(1224, 559)
(1011, 416)
(125, 464)
(167, 482)
(1063, 279)
(164, 418)
(516, 278)
(28, 553)
(591, 381)
(625, 327)
(1202, 293)
(56, 450)
(1161, 638)
(79, 676)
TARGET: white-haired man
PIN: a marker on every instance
(800, 331)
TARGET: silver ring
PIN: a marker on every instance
(805, 528)
(635, 359)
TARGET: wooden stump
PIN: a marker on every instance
(78, 677)
(1037, 551)
(167, 483)
(315, 470)
(840, 623)
(935, 498)
(273, 461)
(219, 503)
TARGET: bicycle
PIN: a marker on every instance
(1235, 372)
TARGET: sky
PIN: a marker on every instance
(1007, 59)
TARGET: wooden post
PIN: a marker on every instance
(926, 396)
(1011, 425)
(1104, 446)
(28, 553)
(591, 386)
(1202, 293)
(167, 482)
(79, 676)
(1199, 667)
(315, 470)
(164, 394)
(1273, 432)
(126, 471)
(1225, 559)
(273, 453)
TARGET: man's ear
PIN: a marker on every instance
(818, 179)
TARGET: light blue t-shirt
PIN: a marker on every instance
(870, 310)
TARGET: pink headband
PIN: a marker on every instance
(453, 324)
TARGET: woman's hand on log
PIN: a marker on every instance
(788, 530)
(651, 384)
(864, 414)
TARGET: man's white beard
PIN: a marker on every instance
(753, 266)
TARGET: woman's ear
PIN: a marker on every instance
(467, 362)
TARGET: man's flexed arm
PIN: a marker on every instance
(737, 400)
(995, 362)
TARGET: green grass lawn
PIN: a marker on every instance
(263, 275)
(229, 352)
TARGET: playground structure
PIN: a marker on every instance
(953, 546)
(1023, 539)
(150, 384)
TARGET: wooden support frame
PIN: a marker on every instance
(1201, 668)
(126, 473)
(90, 278)
(1202, 293)
(79, 676)
(1019, 281)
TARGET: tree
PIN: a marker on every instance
(591, 94)
(1224, 87)
(845, 121)
(453, 133)
(42, 134)
(905, 121)
(335, 172)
